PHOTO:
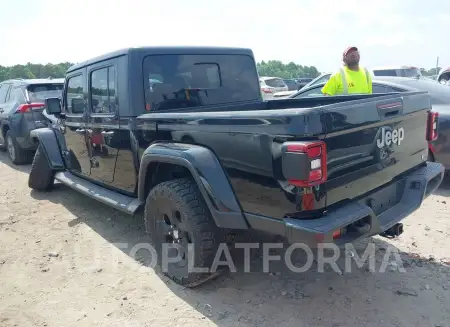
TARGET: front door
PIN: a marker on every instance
(103, 122)
(75, 123)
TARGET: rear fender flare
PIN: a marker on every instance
(49, 142)
(207, 172)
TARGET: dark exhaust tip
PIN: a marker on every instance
(394, 231)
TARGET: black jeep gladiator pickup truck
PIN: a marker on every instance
(183, 133)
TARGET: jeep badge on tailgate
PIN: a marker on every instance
(396, 137)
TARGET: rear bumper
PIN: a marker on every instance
(364, 217)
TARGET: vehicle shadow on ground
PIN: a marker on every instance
(352, 297)
(4, 160)
(444, 188)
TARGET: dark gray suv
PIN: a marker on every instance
(22, 102)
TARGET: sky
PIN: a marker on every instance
(387, 32)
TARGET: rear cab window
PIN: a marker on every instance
(189, 81)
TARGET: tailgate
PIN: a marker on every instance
(371, 143)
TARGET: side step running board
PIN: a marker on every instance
(118, 201)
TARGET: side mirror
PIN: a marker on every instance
(53, 106)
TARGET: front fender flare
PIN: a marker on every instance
(48, 141)
(207, 172)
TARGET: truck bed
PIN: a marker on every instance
(247, 138)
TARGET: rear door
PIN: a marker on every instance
(371, 143)
(103, 121)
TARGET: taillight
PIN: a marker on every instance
(432, 126)
(29, 106)
(336, 234)
(266, 90)
(305, 163)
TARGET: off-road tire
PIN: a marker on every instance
(183, 196)
(21, 156)
(41, 177)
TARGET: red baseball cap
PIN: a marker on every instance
(350, 49)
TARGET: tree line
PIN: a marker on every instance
(265, 68)
(34, 71)
(290, 70)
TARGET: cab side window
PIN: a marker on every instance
(103, 90)
(74, 95)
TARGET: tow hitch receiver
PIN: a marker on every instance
(394, 231)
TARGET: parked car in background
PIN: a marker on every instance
(301, 82)
(399, 71)
(291, 84)
(22, 102)
(323, 78)
(271, 85)
(444, 76)
(283, 94)
(439, 149)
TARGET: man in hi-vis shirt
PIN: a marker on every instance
(351, 78)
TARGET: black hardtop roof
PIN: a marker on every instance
(161, 50)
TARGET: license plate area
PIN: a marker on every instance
(385, 198)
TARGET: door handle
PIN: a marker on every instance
(110, 133)
(80, 131)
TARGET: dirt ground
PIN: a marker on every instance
(66, 260)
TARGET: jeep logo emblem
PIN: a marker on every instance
(395, 136)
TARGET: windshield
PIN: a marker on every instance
(39, 92)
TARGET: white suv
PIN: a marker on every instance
(271, 85)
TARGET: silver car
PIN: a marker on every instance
(271, 85)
